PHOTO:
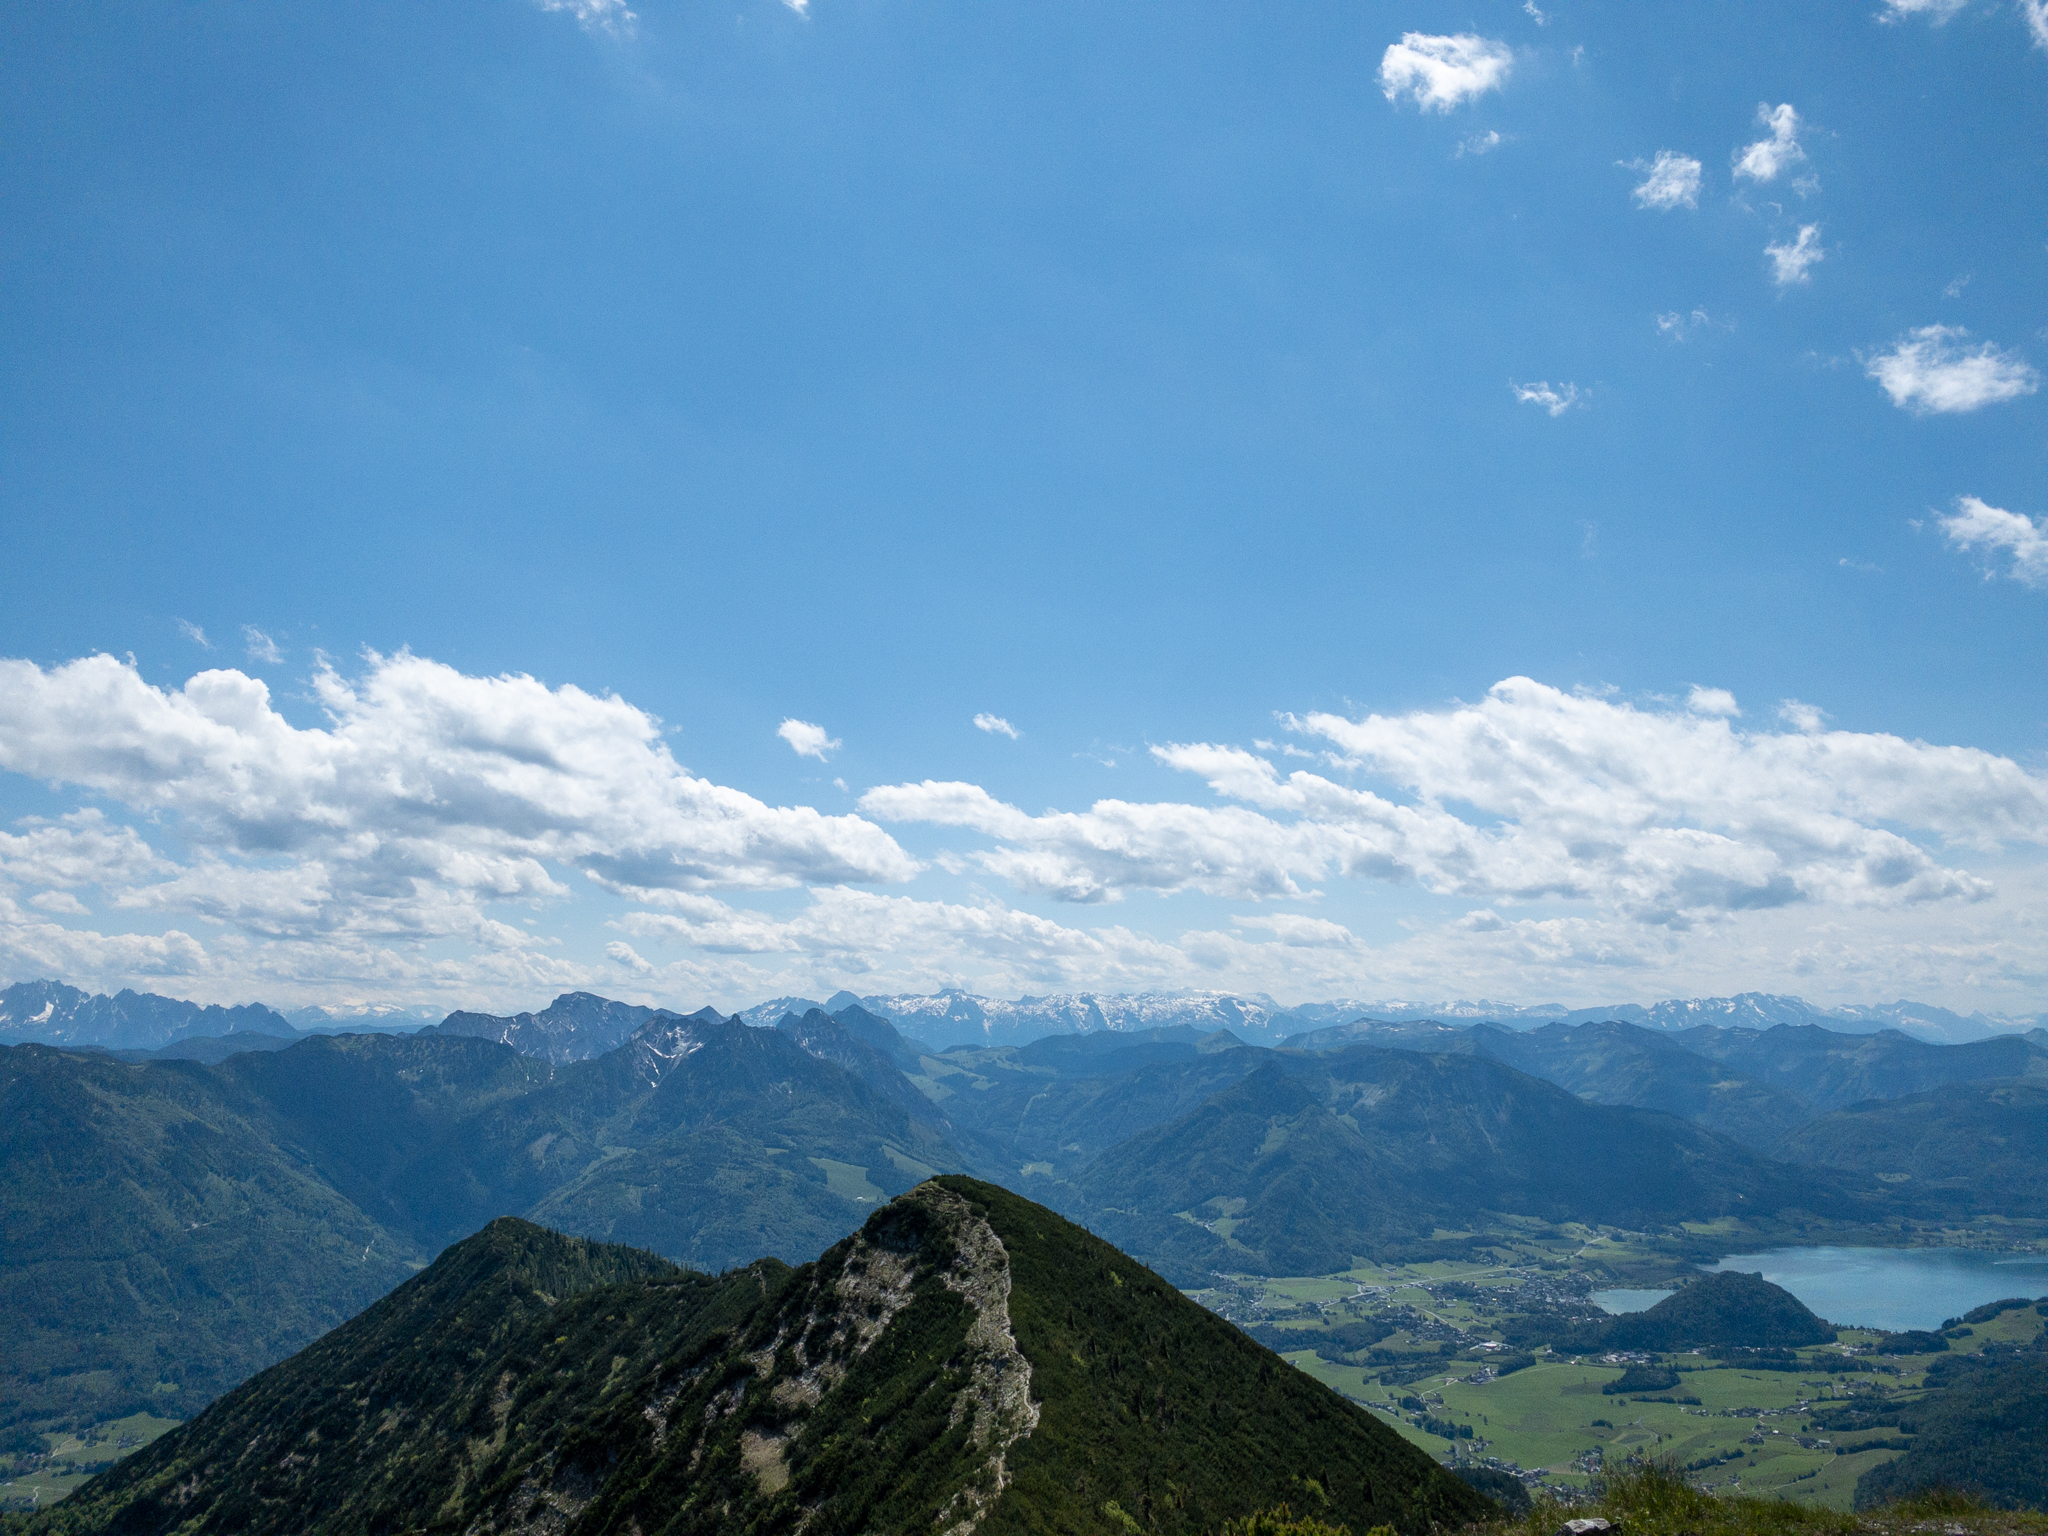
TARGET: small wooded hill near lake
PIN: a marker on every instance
(966, 1361)
(170, 1225)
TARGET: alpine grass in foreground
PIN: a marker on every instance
(1656, 1499)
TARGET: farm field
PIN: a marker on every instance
(29, 1482)
(1429, 1332)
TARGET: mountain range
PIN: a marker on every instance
(578, 1025)
(168, 1226)
(954, 1017)
(1757, 1086)
(55, 1014)
(171, 1222)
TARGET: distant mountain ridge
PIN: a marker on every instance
(577, 1026)
(55, 1014)
(955, 1017)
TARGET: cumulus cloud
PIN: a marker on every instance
(807, 740)
(1931, 371)
(260, 646)
(1711, 701)
(1978, 526)
(1791, 261)
(1116, 846)
(80, 849)
(2036, 13)
(1439, 73)
(1541, 18)
(1480, 143)
(996, 725)
(1556, 401)
(1763, 160)
(619, 952)
(1672, 181)
(1667, 817)
(425, 795)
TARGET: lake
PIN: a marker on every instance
(1894, 1288)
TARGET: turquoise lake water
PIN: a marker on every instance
(1895, 1288)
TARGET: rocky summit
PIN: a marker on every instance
(966, 1362)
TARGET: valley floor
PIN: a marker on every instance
(1432, 1376)
(37, 1481)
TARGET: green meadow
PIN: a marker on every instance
(32, 1481)
(1733, 1430)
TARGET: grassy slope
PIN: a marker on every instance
(1651, 1500)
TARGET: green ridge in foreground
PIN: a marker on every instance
(968, 1361)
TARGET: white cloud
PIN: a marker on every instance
(1763, 160)
(1790, 263)
(1439, 73)
(1115, 846)
(850, 934)
(1977, 525)
(1712, 701)
(807, 740)
(195, 634)
(1936, 11)
(996, 725)
(1301, 932)
(1955, 288)
(1556, 401)
(1539, 17)
(2036, 13)
(80, 849)
(1659, 817)
(1931, 371)
(1673, 181)
(1480, 143)
(1669, 848)
(608, 16)
(425, 796)
(1680, 326)
(622, 953)
(260, 646)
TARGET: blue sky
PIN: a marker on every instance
(1147, 379)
